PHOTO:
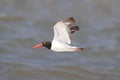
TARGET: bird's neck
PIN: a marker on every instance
(48, 45)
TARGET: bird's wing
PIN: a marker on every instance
(62, 30)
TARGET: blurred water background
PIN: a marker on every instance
(24, 23)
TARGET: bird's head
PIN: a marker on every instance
(46, 44)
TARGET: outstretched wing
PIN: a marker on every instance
(63, 31)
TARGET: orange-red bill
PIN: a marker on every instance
(38, 45)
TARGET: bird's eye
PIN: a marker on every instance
(43, 42)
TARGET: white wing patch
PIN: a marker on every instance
(61, 33)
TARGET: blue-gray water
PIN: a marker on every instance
(24, 23)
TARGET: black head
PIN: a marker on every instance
(47, 44)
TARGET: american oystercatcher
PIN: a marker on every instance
(62, 37)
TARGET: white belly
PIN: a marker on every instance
(61, 46)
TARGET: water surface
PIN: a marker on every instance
(25, 23)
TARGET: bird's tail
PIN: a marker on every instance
(78, 49)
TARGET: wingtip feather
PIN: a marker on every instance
(69, 20)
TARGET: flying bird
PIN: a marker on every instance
(61, 42)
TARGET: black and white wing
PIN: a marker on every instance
(63, 30)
